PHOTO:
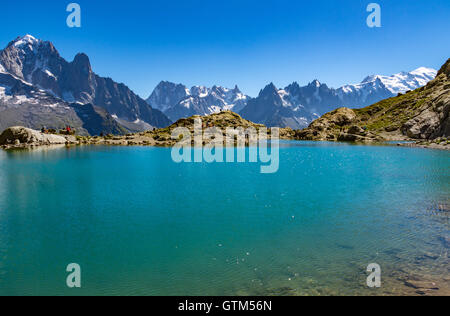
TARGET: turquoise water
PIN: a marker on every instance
(139, 224)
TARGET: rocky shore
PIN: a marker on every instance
(22, 137)
(440, 143)
(340, 125)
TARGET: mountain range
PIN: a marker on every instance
(40, 88)
(418, 114)
(294, 106)
(177, 101)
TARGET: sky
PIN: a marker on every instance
(244, 42)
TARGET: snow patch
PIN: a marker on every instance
(398, 83)
(25, 40)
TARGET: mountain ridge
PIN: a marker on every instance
(301, 104)
(304, 104)
(421, 114)
(39, 63)
(177, 101)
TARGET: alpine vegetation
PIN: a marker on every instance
(208, 145)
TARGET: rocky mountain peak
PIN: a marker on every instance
(82, 62)
(177, 101)
(293, 88)
(39, 64)
(315, 83)
(379, 82)
(270, 89)
(26, 40)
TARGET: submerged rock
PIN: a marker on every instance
(445, 241)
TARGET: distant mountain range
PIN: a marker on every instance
(40, 88)
(418, 114)
(177, 101)
(293, 106)
(297, 107)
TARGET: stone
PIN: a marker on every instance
(19, 135)
(357, 130)
(424, 285)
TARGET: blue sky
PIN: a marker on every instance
(246, 42)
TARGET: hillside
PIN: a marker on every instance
(421, 114)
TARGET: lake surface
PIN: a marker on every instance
(139, 224)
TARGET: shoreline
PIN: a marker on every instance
(167, 144)
(19, 137)
(426, 145)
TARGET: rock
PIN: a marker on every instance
(342, 116)
(356, 130)
(431, 256)
(421, 292)
(328, 126)
(426, 285)
(391, 128)
(19, 135)
(445, 241)
(70, 139)
(423, 126)
(345, 137)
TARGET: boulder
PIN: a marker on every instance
(356, 130)
(342, 116)
(19, 135)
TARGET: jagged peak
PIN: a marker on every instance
(270, 88)
(315, 83)
(81, 59)
(165, 83)
(292, 86)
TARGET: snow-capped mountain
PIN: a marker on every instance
(363, 94)
(280, 107)
(177, 101)
(38, 86)
(375, 88)
(405, 81)
(23, 104)
(38, 63)
(297, 107)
